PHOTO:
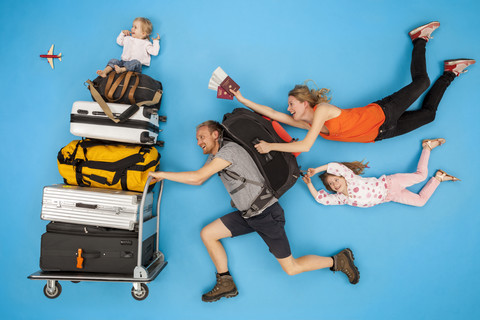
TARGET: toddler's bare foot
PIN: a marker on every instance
(120, 70)
(102, 73)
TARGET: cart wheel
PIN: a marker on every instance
(140, 294)
(52, 294)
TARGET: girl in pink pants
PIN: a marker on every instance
(349, 188)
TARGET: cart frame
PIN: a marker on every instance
(141, 274)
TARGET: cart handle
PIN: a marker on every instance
(140, 223)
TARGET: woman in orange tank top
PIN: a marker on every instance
(310, 109)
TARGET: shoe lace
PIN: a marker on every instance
(216, 287)
(345, 270)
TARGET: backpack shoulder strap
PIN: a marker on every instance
(244, 181)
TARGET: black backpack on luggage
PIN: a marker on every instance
(128, 88)
(246, 128)
(131, 88)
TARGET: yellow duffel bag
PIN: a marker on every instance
(107, 164)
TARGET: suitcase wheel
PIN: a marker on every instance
(162, 118)
(141, 292)
(160, 143)
(52, 289)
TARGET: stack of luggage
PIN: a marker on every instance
(95, 214)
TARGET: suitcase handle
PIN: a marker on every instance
(125, 115)
(81, 256)
(86, 205)
(91, 255)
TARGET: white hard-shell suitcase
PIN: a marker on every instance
(87, 119)
(94, 206)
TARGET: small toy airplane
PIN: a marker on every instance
(50, 56)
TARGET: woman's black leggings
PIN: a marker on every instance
(399, 121)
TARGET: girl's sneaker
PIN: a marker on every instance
(457, 66)
(424, 32)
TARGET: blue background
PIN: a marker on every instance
(415, 263)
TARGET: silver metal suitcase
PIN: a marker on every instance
(87, 119)
(94, 206)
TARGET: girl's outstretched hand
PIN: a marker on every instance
(156, 38)
(306, 179)
(311, 172)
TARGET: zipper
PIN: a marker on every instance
(104, 121)
(139, 87)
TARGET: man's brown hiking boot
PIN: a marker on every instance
(225, 287)
(343, 261)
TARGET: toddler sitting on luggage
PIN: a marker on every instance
(137, 48)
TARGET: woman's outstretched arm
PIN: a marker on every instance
(323, 113)
(269, 112)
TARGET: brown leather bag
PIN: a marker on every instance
(129, 87)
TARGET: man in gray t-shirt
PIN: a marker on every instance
(243, 181)
(241, 164)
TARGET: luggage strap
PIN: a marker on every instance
(119, 167)
(125, 77)
(127, 113)
(262, 199)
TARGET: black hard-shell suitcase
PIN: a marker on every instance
(80, 248)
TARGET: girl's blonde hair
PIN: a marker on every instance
(302, 93)
(146, 25)
(356, 166)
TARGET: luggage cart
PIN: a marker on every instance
(141, 274)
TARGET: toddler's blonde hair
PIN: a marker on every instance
(146, 26)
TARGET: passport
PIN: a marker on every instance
(228, 84)
(222, 94)
(222, 83)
